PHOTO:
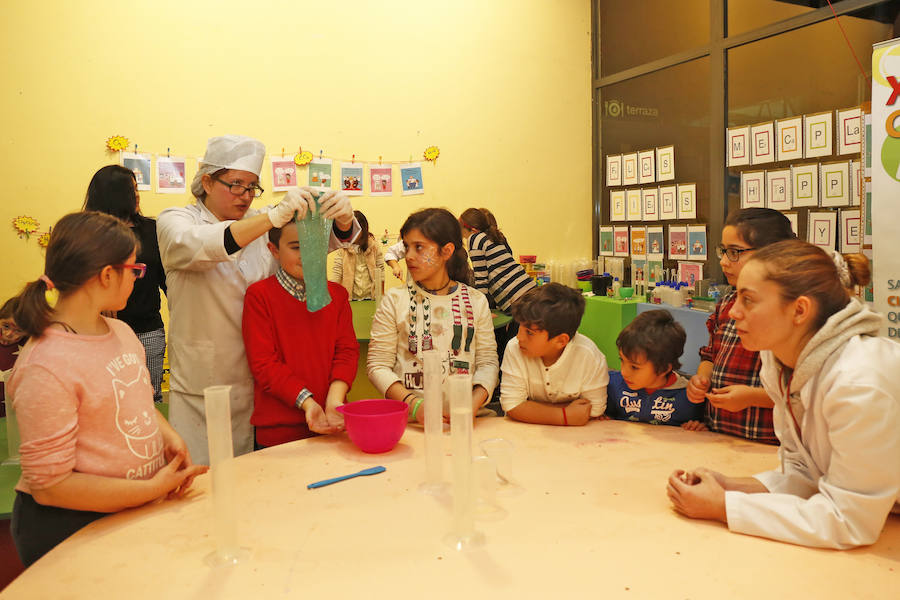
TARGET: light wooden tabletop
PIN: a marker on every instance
(592, 520)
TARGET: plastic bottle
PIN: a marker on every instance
(615, 287)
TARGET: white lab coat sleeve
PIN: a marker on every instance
(487, 365)
(382, 355)
(186, 244)
(395, 252)
(514, 388)
(857, 491)
(334, 243)
(596, 382)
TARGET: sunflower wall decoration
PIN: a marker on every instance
(432, 153)
(303, 158)
(25, 225)
(44, 239)
(116, 143)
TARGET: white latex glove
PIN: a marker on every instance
(335, 204)
(298, 201)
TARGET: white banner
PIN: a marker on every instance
(886, 182)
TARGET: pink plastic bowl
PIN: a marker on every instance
(375, 426)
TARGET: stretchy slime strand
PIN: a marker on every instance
(313, 233)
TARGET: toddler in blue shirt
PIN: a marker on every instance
(648, 389)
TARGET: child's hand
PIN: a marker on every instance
(174, 448)
(396, 270)
(697, 388)
(316, 419)
(694, 426)
(174, 478)
(732, 398)
(334, 418)
(578, 412)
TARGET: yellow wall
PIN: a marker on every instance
(502, 86)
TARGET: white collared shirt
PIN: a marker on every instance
(580, 372)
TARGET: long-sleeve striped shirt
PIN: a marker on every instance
(497, 274)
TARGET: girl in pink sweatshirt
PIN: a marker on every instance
(92, 441)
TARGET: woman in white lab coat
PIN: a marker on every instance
(833, 381)
(212, 251)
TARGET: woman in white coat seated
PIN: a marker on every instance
(212, 251)
(834, 384)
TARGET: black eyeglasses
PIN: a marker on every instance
(733, 254)
(239, 190)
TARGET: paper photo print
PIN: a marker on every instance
(818, 134)
(835, 182)
(851, 236)
(650, 204)
(638, 269)
(284, 174)
(789, 139)
(753, 189)
(139, 164)
(647, 166)
(668, 203)
(687, 201)
(778, 189)
(633, 204)
(691, 272)
(352, 178)
(856, 183)
(617, 205)
(320, 173)
(629, 169)
(821, 229)
(606, 241)
(380, 180)
(805, 185)
(638, 241)
(762, 137)
(849, 122)
(411, 178)
(665, 163)
(170, 175)
(656, 243)
(738, 146)
(614, 170)
(678, 242)
(696, 242)
(654, 270)
(620, 240)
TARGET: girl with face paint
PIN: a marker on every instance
(436, 310)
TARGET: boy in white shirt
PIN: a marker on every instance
(552, 374)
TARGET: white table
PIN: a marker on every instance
(593, 521)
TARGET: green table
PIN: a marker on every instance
(603, 319)
(9, 476)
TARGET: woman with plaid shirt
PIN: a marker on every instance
(728, 375)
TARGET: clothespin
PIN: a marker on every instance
(320, 155)
(167, 152)
(135, 148)
(353, 159)
(282, 152)
(379, 160)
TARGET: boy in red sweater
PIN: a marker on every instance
(303, 363)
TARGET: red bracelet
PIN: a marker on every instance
(565, 420)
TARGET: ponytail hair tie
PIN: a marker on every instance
(47, 281)
(842, 269)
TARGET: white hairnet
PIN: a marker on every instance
(237, 152)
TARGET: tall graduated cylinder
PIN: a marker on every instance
(460, 390)
(434, 421)
(221, 463)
